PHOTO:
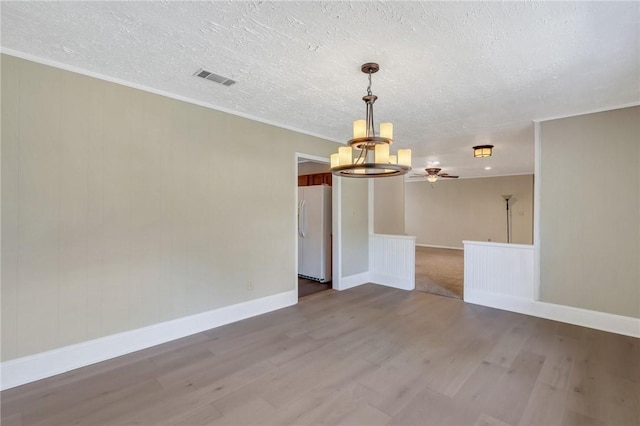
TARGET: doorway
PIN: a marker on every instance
(314, 242)
(440, 271)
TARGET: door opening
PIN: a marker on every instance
(314, 242)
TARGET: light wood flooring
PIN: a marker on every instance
(366, 356)
(307, 287)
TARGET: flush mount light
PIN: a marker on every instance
(488, 168)
(481, 151)
(373, 158)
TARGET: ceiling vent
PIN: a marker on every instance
(207, 75)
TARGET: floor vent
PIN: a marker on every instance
(208, 75)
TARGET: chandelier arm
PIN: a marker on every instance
(362, 153)
(371, 131)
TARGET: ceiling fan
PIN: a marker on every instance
(433, 173)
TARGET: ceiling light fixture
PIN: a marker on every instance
(488, 168)
(373, 158)
(481, 151)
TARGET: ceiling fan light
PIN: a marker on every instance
(432, 178)
(482, 151)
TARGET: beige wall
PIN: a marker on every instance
(388, 205)
(310, 167)
(122, 208)
(469, 209)
(355, 225)
(590, 212)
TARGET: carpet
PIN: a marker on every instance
(440, 271)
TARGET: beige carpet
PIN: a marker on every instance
(440, 271)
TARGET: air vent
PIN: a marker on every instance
(208, 75)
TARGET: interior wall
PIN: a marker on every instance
(388, 205)
(590, 211)
(355, 225)
(310, 168)
(122, 208)
(454, 210)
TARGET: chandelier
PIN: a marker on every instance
(367, 154)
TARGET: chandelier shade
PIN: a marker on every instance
(368, 153)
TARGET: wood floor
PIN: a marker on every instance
(307, 287)
(366, 356)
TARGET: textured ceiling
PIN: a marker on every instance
(452, 75)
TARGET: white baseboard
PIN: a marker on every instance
(618, 324)
(393, 281)
(353, 280)
(30, 368)
(442, 247)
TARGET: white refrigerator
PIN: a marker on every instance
(314, 232)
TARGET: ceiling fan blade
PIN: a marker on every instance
(449, 176)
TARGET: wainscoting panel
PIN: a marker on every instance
(392, 260)
(505, 269)
(502, 276)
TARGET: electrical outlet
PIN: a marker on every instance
(250, 285)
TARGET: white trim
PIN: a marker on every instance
(398, 237)
(593, 111)
(494, 244)
(315, 158)
(537, 177)
(336, 225)
(442, 247)
(370, 205)
(353, 281)
(77, 70)
(612, 323)
(30, 368)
